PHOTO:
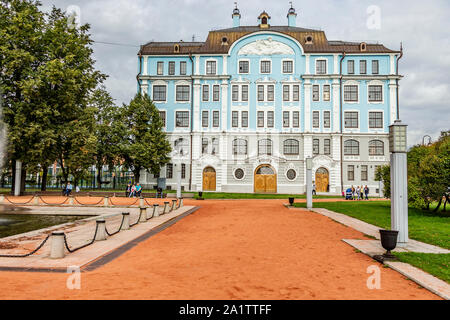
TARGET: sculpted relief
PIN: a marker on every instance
(266, 47)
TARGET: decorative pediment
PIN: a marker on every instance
(266, 47)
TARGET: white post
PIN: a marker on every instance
(174, 205)
(141, 202)
(155, 210)
(126, 220)
(36, 200)
(18, 180)
(399, 181)
(178, 181)
(166, 206)
(142, 214)
(180, 203)
(309, 204)
(101, 230)
(57, 247)
(106, 202)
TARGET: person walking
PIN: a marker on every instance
(366, 192)
(128, 190)
(314, 189)
(353, 193)
(358, 192)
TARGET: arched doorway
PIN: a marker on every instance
(209, 179)
(265, 179)
(322, 180)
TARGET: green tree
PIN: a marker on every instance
(383, 174)
(145, 146)
(108, 130)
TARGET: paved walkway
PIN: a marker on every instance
(250, 249)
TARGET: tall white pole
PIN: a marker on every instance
(179, 181)
(18, 179)
(399, 199)
(309, 190)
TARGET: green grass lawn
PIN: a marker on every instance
(425, 226)
(435, 264)
(222, 195)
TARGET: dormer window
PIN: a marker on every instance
(264, 20)
(176, 48)
(363, 47)
(224, 41)
(308, 40)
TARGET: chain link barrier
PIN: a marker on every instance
(89, 204)
(83, 246)
(27, 254)
(53, 204)
(120, 228)
(112, 203)
(19, 203)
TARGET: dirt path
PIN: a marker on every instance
(230, 250)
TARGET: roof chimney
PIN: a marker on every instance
(236, 17)
(292, 16)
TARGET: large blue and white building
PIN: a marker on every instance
(245, 108)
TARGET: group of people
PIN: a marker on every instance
(133, 190)
(358, 193)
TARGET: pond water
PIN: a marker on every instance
(14, 223)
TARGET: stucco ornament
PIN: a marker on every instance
(265, 47)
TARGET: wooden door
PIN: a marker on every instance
(322, 180)
(265, 180)
(209, 179)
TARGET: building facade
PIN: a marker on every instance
(245, 108)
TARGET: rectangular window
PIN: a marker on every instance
(235, 119)
(375, 67)
(162, 116)
(183, 171)
(244, 119)
(316, 119)
(364, 175)
(351, 66)
(376, 93)
(205, 118)
(316, 146)
(351, 119)
(216, 118)
(327, 146)
(210, 67)
(316, 92)
(205, 96)
(183, 93)
(321, 66)
(351, 173)
(296, 89)
(326, 92)
(296, 119)
(160, 68)
(182, 119)
(243, 67)
(260, 119)
(204, 145)
(286, 119)
(235, 93)
(363, 67)
(260, 93)
(216, 93)
(327, 119)
(351, 93)
(270, 92)
(288, 66)
(183, 68)
(270, 119)
(159, 93)
(169, 171)
(265, 66)
(286, 93)
(244, 92)
(376, 120)
(171, 68)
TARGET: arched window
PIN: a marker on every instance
(351, 148)
(265, 147)
(240, 146)
(291, 147)
(376, 148)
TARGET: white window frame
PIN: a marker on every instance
(368, 120)
(351, 83)
(375, 83)
(249, 66)
(312, 92)
(160, 84)
(293, 66)
(260, 65)
(359, 121)
(326, 66)
(209, 92)
(207, 118)
(190, 92)
(165, 117)
(217, 67)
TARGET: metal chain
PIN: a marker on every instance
(83, 246)
(120, 228)
(89, 204)
(55, 204)
(19, 203)
(28, 254)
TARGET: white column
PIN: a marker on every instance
(145, 66)
(392, 101)
(307, 106)
(336, 154)
(224, 113)
(197, 65)
(336, 109)
(196, 115)
(18, 179)
(392, 64)
(144, 87)
(178, 173)
(225, 65)
(307, 64)
(336, 64)
(309, 204)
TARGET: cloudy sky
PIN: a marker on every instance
(422, 26)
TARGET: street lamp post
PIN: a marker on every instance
(178, 173)
(399, 181)
(309, 166)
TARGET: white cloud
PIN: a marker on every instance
(422, 26)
